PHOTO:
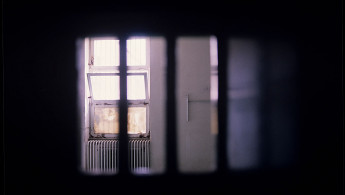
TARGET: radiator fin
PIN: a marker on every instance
(103, 156)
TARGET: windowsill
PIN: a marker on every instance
(116, 136)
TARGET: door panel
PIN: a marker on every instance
(196, 143)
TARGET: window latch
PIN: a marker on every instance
(91, 61)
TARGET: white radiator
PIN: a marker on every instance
(103, 156)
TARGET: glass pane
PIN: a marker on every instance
(136, 87)
(136, 120)
(106, 53)
(136, 52)
(105, 87)
(106, 120)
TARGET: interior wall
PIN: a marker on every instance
(157, 103)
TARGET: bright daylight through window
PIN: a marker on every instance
(103, 83)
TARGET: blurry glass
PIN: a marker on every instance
(105, 87)
(136, 88)
(136, 120)
(107, 120)
(136, 52)
(106, 53)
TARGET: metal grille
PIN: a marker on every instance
(103, 156)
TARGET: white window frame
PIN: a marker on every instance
(115, 71)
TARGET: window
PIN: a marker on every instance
(103, 83)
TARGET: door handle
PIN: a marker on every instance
(187, 101)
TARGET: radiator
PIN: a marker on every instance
(103, 156)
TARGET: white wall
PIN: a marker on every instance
(196, 142)
(157, 103)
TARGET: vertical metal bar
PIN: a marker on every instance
(90, 156)
(145, 154)
(149, 152)
(105, 156)
(222, 162)
(116, 156)
(113, 156)
(171, 153)
(108, 157)
(99, 145)
(99, 158)
(187, 105)
(93, 156)
(142, 157)
(96, 156)
(102, 156)
(87, 155)
(133, 150)
(137, 154)
(133, 154)
(130, 154)
(123, 137)
(140, 153)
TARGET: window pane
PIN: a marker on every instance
(136, 120)
(136, 52)
(105, 87)
(106, 53)
(136, 87)
(106, 120)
